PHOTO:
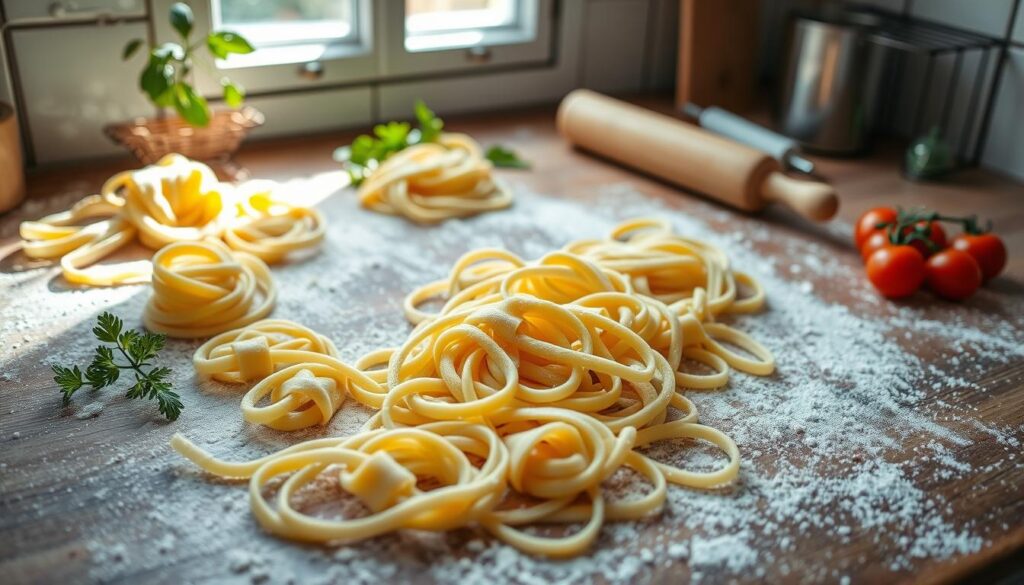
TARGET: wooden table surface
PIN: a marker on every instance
(87, 499)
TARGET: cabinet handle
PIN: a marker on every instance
(312, 71)
(478, 55)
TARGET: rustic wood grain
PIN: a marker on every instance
(49, 513)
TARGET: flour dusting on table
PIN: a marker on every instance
(818, 438)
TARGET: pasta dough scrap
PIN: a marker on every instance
(531, 386)
(173, 200)
(295, 370)
(203, 288)
(253, 352)
(431, 182)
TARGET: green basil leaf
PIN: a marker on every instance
(130, 49)
(234, 94)
(165, 100)
(181, 18)
(191, 105)
(362, 149)
(505, 157)
(393, 136)
(430, 124)
(167, 52)
(222, 43)
(156, 79)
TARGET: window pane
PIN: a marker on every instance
(277, 22)
(428, 16)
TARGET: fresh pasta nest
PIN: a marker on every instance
(173, 200)
(431, 182)
(204, 288)
(514, 403)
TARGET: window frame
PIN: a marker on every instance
(258, 72)
(378, 55)
(530, 41)
(351, 37)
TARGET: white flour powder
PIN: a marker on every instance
(834, 445)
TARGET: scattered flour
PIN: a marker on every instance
(833, 444)
(89, 411)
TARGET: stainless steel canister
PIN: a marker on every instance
(830, 86)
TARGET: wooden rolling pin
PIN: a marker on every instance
(687, 156)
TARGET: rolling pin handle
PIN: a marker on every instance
(810, 199)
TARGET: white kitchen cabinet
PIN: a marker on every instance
(74, 82)
(58, 10)
(314, 111)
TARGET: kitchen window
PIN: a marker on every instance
(444, 24)
(323, 43)
(452, 35)
(289, 31)
(300, 43)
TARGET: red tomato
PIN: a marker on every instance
(986, 249)
(875, 241)
(868, 223)
(953, 274)
(937, 235)
(896, 271)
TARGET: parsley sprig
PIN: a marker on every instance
(367, 151)
(134, 351)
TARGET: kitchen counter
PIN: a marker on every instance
(886, 447)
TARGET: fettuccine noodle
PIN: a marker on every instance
(204, 288)
(511, 405)
(174, 200)
(431, 182)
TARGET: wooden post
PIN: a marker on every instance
(718, 42)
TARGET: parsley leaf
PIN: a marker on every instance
(108, 328)
(69, 380)
(102, 371)
(137, 348)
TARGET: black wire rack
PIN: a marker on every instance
(914, 38)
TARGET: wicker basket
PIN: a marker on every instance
(149, 139)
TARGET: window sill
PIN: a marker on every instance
(293, 54)
(464, 39)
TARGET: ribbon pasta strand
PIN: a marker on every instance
(513, 404)
(173, 200)
(203, 288)
(431, 182)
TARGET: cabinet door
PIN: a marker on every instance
(74, 83)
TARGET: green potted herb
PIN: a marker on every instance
(167, 80)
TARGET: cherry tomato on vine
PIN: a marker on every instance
(987, 250)
(896, 271)
(937, 235)
(953, 274)
(868, 223)
(875, 241)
